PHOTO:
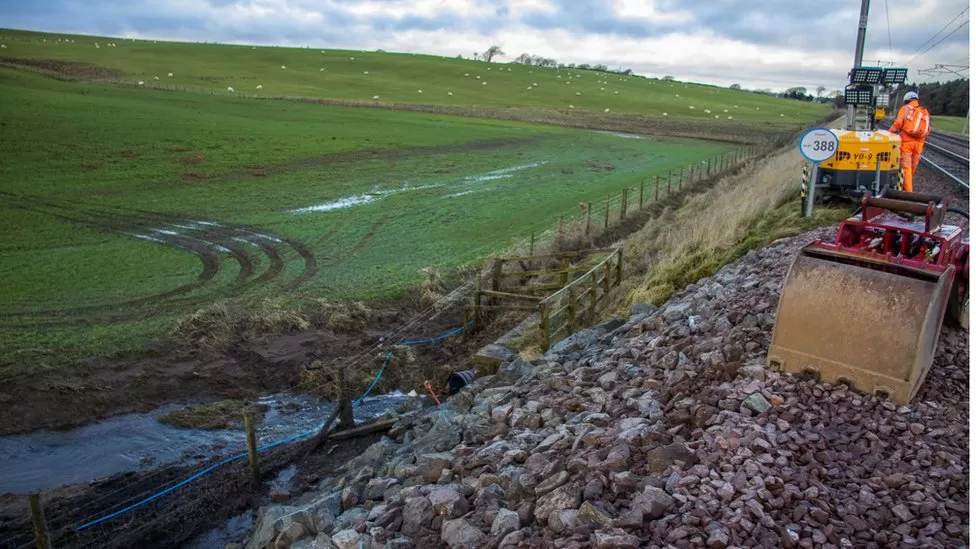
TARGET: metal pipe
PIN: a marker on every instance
(862, 28)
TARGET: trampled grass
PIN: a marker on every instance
(93, 176)
(398, 78)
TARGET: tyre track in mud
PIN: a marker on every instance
(205, 239)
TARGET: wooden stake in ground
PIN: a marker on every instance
(623, 204)
(640, 203)
(606, 214)
(346, 419)
(41, 535)
(589, 208)
(252, 450)
(657, 185)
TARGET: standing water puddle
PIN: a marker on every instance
(138, 442)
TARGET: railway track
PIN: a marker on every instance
(947, 155)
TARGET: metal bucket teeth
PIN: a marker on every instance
(874, 327)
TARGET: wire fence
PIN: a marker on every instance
(131, 510)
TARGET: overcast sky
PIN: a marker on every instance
(759, 44)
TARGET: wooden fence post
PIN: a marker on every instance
(559, 229)
(532, 244)
(252, 450)
(640, 203)
(571, 310)
(589, 209)
(544, 325)
(41, 535)
(620, 264)
(564, 277)
(606, 278)
(606, 214)
(346, 419)
(709, 166)
(669, 183)
(657, 185)
(623, 204)
(496, 273)
(477, 296)
(593, 290)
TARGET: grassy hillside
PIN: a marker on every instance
(131, 206)
(400, 78)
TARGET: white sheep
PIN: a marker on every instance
(735, 106)
(467, 74)
(3, 46)
(351, 58)
(730, 118)
(601, 89)
(528, 87)
(568, 82)
(420, 91)
(365, 72)
(230, 89)
(716, 116)
(284, 67)
(489, 68)
(781, 114)
(725, 110)
(96, 45)
(708, 111)
(676, 95)
(170, 75)
(478, 77)
(606, 110)
(665, 114)
(375, 97)
(578, 93)
(572, 107)
(616, 92)
(320, 70)
(450, 94)
(509, 70)
(692, 107)
(484, 83)
(535, 84)
(141, 82)
(258, 87)
(155, 78)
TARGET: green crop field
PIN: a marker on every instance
(401, 78)
(953, 124)
(123, 207)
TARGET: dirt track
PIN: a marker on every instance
(206, 239)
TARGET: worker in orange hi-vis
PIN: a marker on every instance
(913, 125)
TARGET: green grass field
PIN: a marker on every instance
(953, 124)
(95, 177)
(400, 78)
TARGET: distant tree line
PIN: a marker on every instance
(942, 99)
(540, 61)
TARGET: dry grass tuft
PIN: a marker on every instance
(339, 317)
(433, 288)
(740, 212)
(223, 414)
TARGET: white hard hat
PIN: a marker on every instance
(911, 95)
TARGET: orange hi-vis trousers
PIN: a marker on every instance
(911, 155)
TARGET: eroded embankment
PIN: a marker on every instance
(666, 431)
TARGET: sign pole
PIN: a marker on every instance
(812, 189)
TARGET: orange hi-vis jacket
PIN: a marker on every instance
(900, 120)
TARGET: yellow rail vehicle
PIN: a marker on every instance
(866, 161)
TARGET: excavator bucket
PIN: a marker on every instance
(871, 325)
